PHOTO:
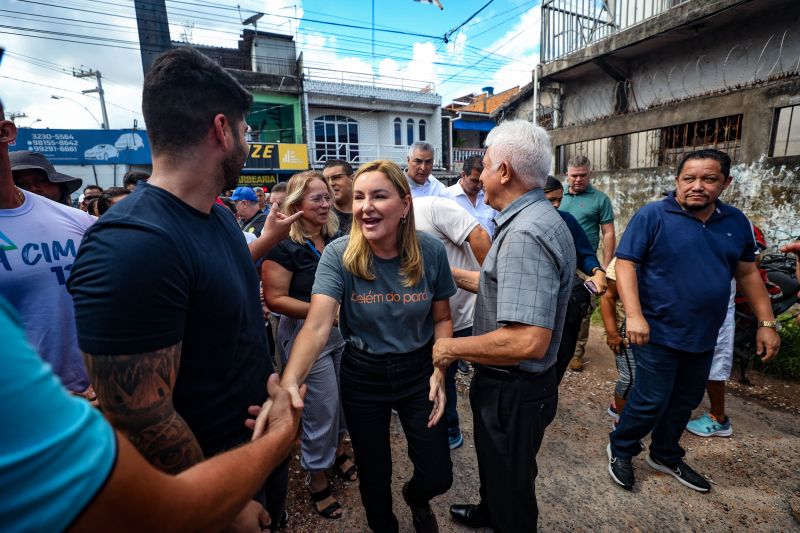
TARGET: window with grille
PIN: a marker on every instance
(335, 137)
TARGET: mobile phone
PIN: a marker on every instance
(590, 286)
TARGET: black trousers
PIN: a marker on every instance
(272, 494)
(577, 308)
(510, 413)
(371, 385)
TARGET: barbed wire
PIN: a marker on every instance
(746, 64)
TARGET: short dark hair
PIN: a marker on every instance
(719, 156)
(105, 200)
(339, 163)
(182, 94)
(473, 162)
(279, 187)
(99, 188)
(132, 177)
(552, 184)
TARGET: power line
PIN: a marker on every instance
(447, 35)
(69, 91)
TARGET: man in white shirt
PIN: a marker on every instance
(467, 244)
(418, 173)
(468, 193)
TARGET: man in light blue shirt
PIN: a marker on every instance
(468, 193)
(418, 173)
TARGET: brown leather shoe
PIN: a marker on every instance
(576, 364)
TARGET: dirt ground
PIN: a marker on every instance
(755, 473)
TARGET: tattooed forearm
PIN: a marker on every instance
(135, 392)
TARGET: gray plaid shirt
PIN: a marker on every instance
(527, 275)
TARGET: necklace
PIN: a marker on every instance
(20, 195)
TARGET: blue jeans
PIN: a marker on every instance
(450, 410)
(669, 385)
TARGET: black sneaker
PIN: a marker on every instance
(621, 470)
(422, 515)
(682, 472)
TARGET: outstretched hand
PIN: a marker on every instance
(279, 411)
(279, 224)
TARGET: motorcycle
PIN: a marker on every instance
(778, 272)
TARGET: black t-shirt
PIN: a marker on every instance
(255, 225)
(301, 261)
(155, 271)
(345, 221)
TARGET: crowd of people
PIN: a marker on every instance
(330, 304)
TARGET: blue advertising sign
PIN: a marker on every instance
(86, 147)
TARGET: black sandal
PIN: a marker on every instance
(351, 474)
(323, 495)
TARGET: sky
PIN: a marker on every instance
(47, 40)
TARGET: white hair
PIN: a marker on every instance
(525, 147)
(422, 146)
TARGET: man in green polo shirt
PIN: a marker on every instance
(593, 210)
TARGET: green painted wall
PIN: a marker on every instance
(273, 112)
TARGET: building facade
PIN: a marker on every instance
(360, 122)
(636, 84)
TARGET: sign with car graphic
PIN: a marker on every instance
(86, 147)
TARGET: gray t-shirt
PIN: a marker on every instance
(383, 316)
(527, 276)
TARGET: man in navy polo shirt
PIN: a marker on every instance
(674, 268)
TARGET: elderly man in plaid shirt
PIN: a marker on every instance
(523, 290)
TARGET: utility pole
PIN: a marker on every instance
(99, 90)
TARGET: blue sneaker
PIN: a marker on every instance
(708, 426)
(456, 441)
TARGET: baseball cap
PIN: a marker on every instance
(25, 159)
(244, 193)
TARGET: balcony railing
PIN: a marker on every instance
(461, 154)
(358, 154)
(569, 25)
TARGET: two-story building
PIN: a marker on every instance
(361, 120)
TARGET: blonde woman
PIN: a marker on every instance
(393, 286)
(288, 275)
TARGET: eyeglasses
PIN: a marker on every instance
(319, 199)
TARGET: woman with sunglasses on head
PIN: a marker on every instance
(287, 276)
(393, 285)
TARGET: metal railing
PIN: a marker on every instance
(569, 25)
(361, 78)
(461, 154)
(358, 154)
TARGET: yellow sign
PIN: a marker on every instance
(257, 180)
(292, 156)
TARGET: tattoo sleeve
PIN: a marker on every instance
(135, 393)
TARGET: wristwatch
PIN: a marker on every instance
(595, 269)
(768, 324)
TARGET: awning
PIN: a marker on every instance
(473, 125)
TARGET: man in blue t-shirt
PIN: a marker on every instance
(674, 269)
